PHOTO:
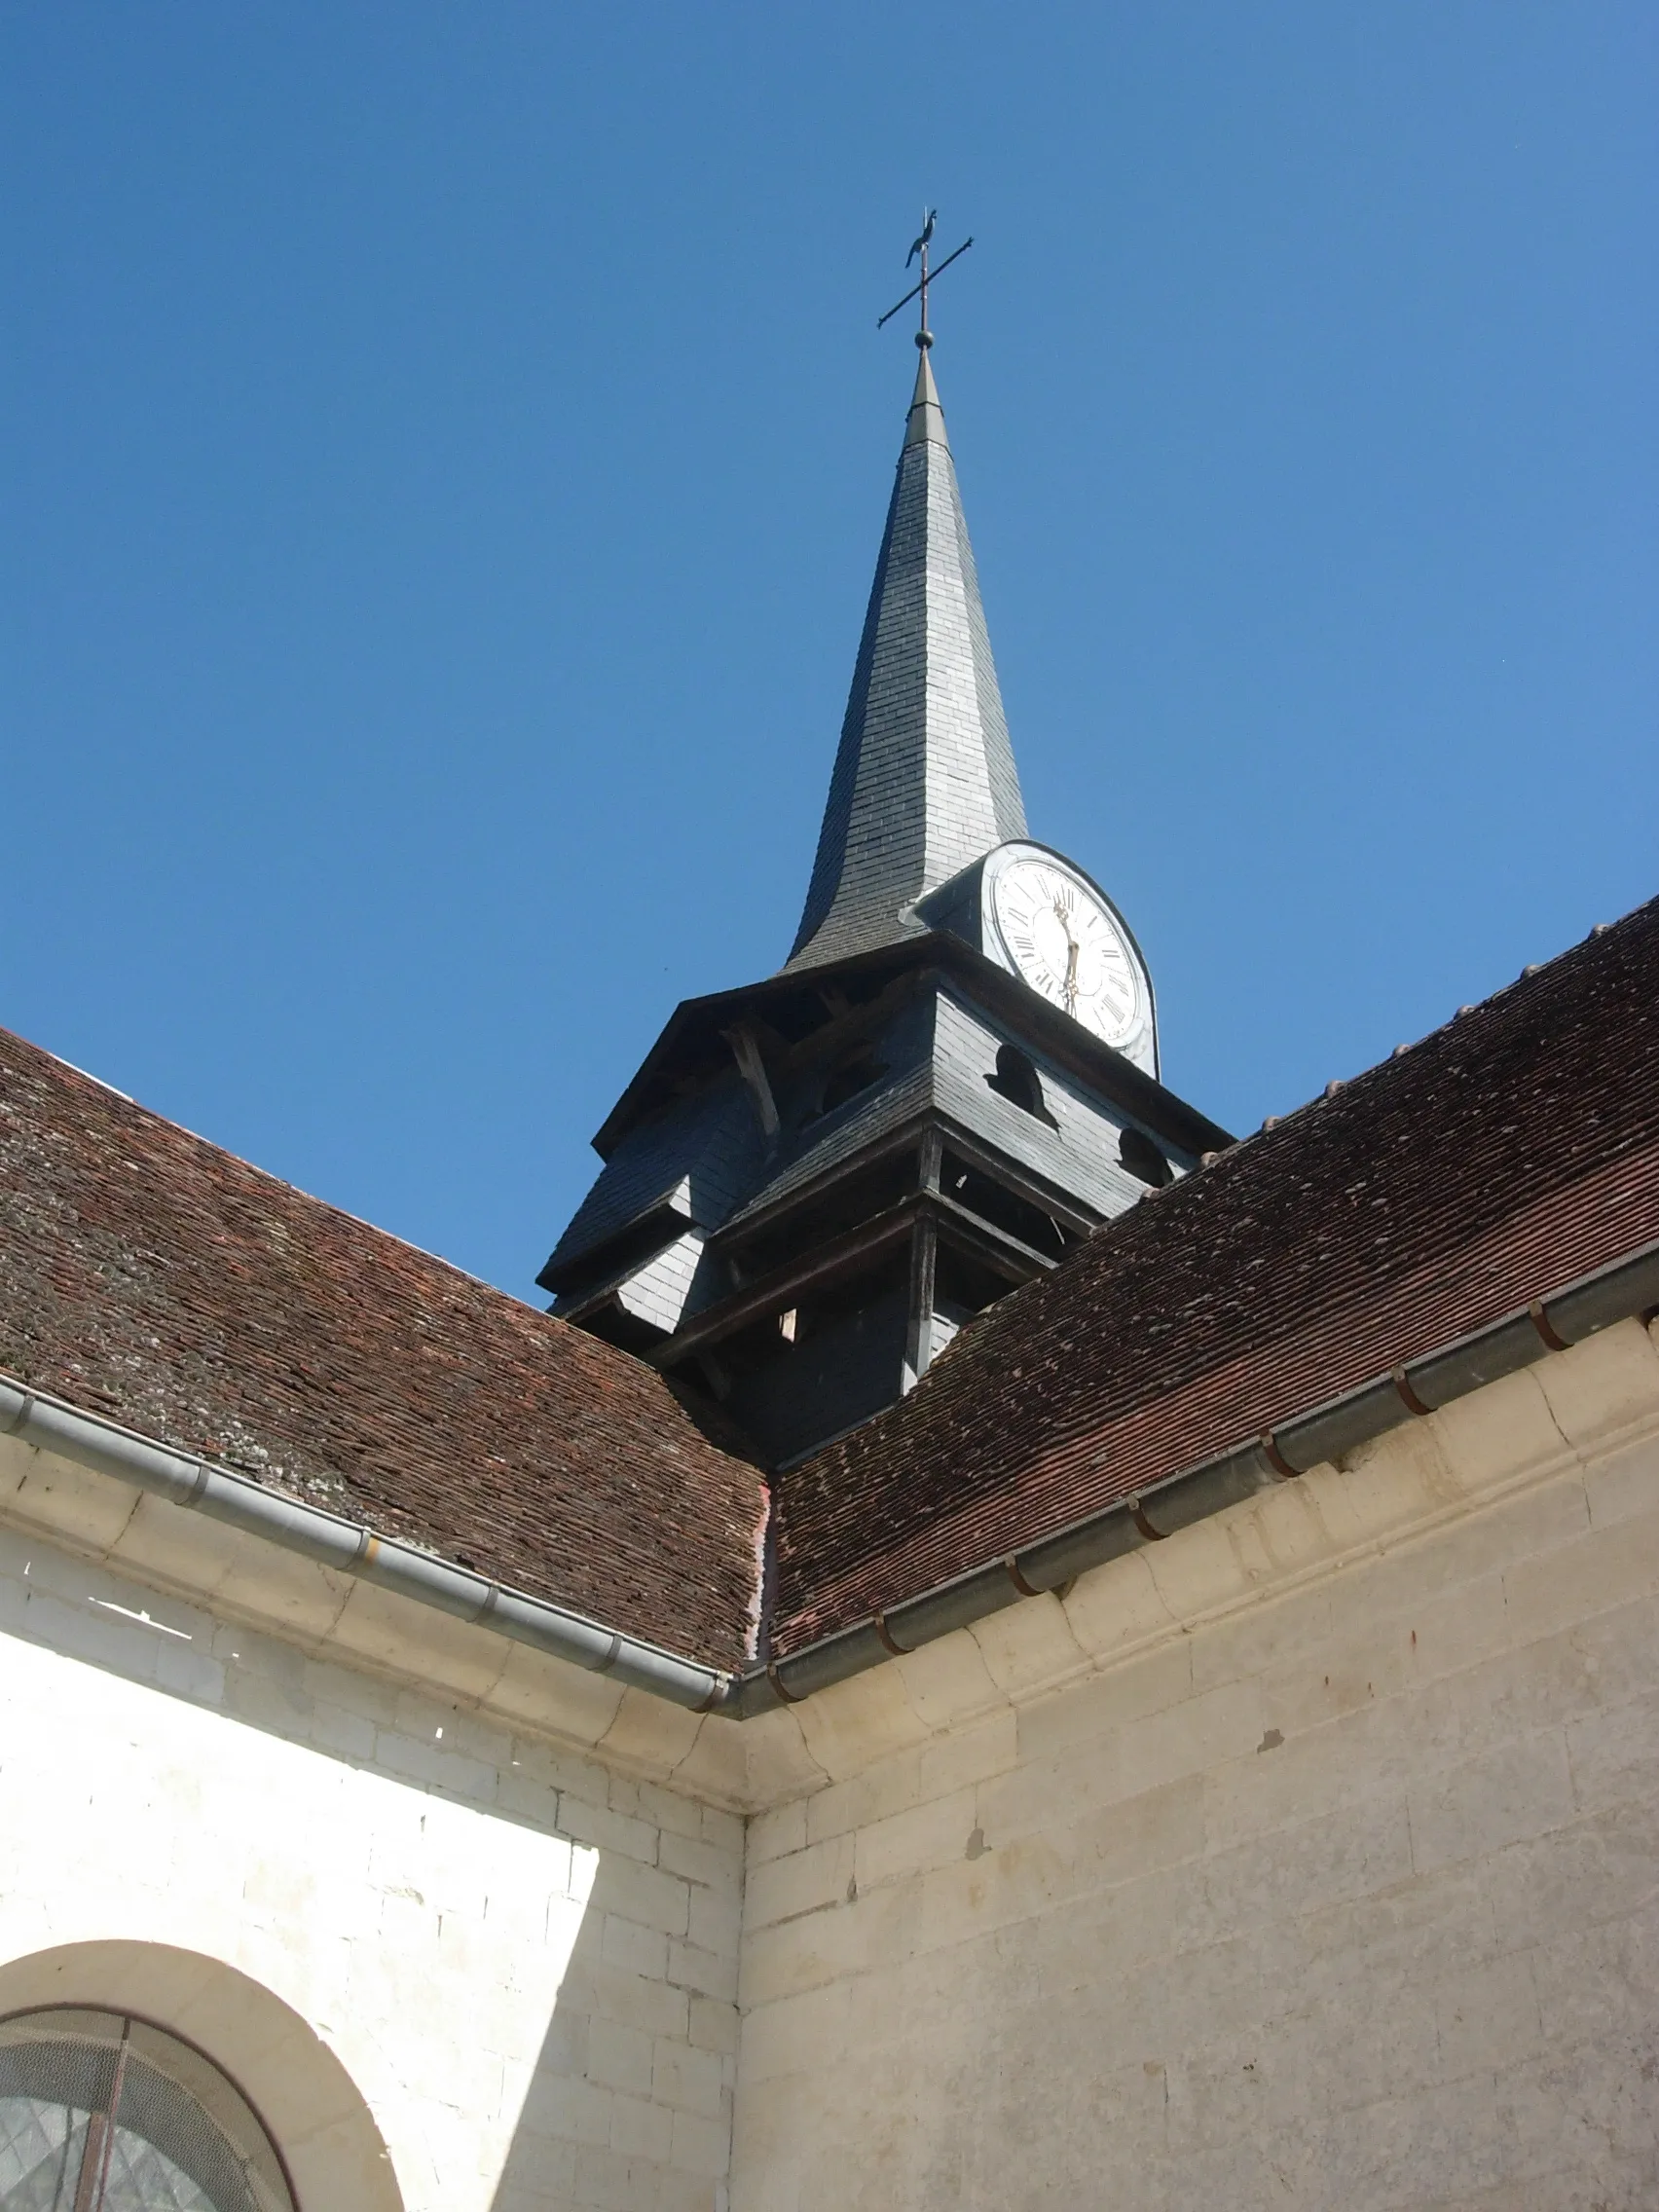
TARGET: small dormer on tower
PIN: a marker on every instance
(815, 1181)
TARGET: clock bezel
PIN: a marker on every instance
(1144, 1031)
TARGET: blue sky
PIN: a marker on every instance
(446, 454)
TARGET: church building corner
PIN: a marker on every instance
(996, 1643)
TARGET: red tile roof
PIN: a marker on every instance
(1509, 1153)
(148, 1277)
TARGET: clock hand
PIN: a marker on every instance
(1071, 974)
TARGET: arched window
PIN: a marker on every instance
(1143, 1160)
(1017, 1080)
(101, 2112)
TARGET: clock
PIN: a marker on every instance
(1058, 935)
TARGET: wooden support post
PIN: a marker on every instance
(746, 1051)
(783, 1287)
(924, 1263)
(718, 1375)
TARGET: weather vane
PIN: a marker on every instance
(921, 245)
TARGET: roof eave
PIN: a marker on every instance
(1057, 1035)
(351, 1547)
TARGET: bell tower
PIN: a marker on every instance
(815, 1180)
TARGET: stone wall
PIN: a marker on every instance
(523, 1963)
(1309, 1859)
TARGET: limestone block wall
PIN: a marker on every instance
(1310, 1859)
(512, 1968)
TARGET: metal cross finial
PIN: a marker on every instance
(921, 245)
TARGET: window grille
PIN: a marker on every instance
(100, 2112)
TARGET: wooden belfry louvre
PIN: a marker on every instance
(103, 2113)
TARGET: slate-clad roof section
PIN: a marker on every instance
(856, 1128)
(941, 1052)
(1078, 1155)
(694, 1162)
(1506, 1154)
(692, 1047)
(148, 1277)
(924, 779)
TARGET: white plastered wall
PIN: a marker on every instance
(523, 1958)
(1309, 1859)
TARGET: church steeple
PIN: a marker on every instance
(816, 1179)
(924, 780)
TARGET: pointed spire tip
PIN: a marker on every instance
(925, 421)
(924, 780)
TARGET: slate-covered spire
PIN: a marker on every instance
(924, 780)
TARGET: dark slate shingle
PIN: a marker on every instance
(924, 780)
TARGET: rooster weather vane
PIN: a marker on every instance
(921, 245)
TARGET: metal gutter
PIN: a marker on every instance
(350, 1548)
(1593, 1302)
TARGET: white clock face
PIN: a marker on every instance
(1064, 943)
